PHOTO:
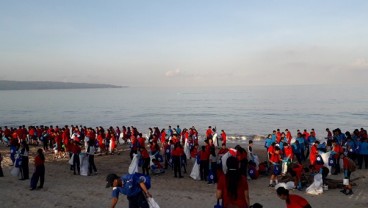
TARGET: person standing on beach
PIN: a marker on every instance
(232, 187)
(39, 173)
(204, 163)
(223, 137)
(275, 160)
(176, 158)
(76, 150)
(91, 149)
(24, 169)
(292, 200)
(363, 153)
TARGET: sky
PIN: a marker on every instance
(157, 43)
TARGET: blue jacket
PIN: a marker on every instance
(301, 142)
(363, 148)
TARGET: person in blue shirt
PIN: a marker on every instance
(341, 138)
(350, 146)
(136, 201)
(297, 151)
(268, 141)
(178, 130)
(301, 141)
(273, 137)
(363, 153)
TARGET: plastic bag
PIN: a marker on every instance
(14, 171)
(195, 172)
(133, 167)
(71, 160)
(152, 203)
(316, 187)
(187, 149)
(84, 163)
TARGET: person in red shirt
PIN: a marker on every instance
(223, 137)
(288, 151)
(40, 170)
(292, 200)
(232, 187)
(288, 135)
(76, 150)
(313, 153)
(275, 160)
(163, 136)
(204, 156)
(278, 136)
(348, 189)
(176, 154)
(338, 151)
(146, 160)
(141, 140)
(209, 133)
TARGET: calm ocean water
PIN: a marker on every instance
(237, 110)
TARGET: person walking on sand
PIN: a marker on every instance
(39, 173)
(292, 200)
(232, 187)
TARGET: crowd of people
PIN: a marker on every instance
(292, 155)
(165, 149)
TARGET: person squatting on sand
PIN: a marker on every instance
(292, 200)
(136, 191)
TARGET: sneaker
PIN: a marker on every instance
(349, 192)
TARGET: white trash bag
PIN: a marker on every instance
(195, 172)
(133, 167)
(316, 187)
(152, 203)
(84, 163)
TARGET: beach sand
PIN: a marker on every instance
(63, 189)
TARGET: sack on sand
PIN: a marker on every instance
(84, 163)
(316, 187)
(133, 167)
(195, 172)
(152, 203)
(14, 171)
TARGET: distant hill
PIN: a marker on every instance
(42, 85)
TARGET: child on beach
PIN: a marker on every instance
(275, 160)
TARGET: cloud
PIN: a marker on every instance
(173, 73)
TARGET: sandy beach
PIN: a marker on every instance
(63, 189)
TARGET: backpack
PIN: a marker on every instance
(351, 165)
(131, 182)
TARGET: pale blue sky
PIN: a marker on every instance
(185, 43)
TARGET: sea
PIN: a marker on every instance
(240, 111)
